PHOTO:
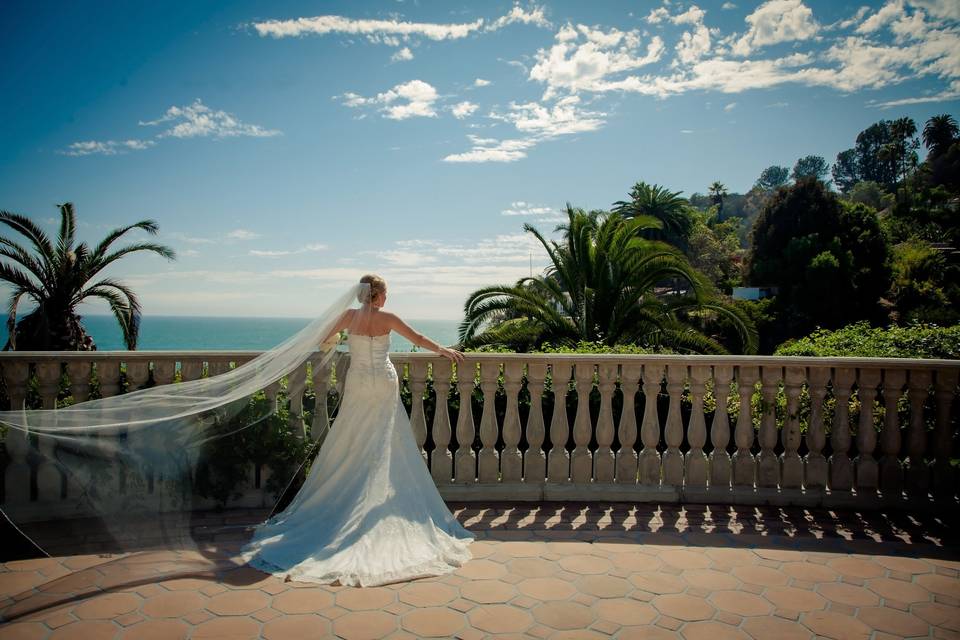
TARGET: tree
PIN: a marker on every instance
(57, 277)
(810, 167)
(600, 287)
(828, 259)
(901, 151)
(870, 194)
(772, 178)
(718, 191)
(666, 206)
(939, 133)
(846, 171)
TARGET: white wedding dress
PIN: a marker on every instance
(368, 512)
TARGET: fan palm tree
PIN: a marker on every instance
(718, 191)
(599, 287)
(664, 205)
(939, 133)
(57, 277)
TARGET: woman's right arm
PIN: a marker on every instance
(342, 323)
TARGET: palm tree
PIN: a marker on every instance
(718, 191)
(57, 278)
(600, 287)
(939, 133)
(664, 205)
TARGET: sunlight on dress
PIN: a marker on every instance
(368, 512)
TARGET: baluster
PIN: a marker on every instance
(673, 430)
(841, 469)
(164, 371)
(17, 474)
(441, 461)
(816, 464)
(604, 461)
(649, 461)
(768, 465)
(790, 462)
(296, 384)
(891, 470)
(944, 479)
(321, 388)
(109, 443)
(695, 462)
(558, 461)
(191, 370)
(488, 467)
(627, 460)
(78, 371)
(865, 466)
(49, 477)
(581, 462)
(418, 384)
(138, 373)
(466, 457)
(918, 478)
(511, 460)
(534, 459)
(744, 464)
(720, 428)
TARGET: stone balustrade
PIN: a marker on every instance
(858, 432)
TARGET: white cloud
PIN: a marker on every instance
(946, 9)
(952, 93)
(402, 54)
(391, 31)
(463, 109)
(658, 15)
(572, 66)
(541, 213)
(492, 150)
(105, 147)
(242, 234)
(776, 21)
(415, 98)
(480, 82)
(534, 16)
(881, 18)
(273, 254)
(563, 118)
(727, 6)
(730, 107)
(199, 120)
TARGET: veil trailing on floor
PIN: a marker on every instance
(149, 469)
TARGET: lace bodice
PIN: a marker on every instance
(371, 355)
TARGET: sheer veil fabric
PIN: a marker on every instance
(131, 467)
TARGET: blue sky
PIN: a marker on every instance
(285, 148)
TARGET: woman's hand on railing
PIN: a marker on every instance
(451, 354)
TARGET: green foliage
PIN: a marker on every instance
(926, 286)
(827, 258)
(861, 340)
(871, 194)
(773, 177)
(600, 287)
(661, 204)
(714, 250)
(810, 167)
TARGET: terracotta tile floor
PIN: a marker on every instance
(547, 570)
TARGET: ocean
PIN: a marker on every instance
(184, 333)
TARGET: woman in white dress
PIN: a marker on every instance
(368, 512)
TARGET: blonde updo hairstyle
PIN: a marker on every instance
(375, 285)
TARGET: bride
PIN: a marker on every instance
(368, 512)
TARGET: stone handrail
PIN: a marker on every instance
(676, 455)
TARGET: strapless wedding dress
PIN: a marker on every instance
(368, 512)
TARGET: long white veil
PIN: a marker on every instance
(135, 467)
